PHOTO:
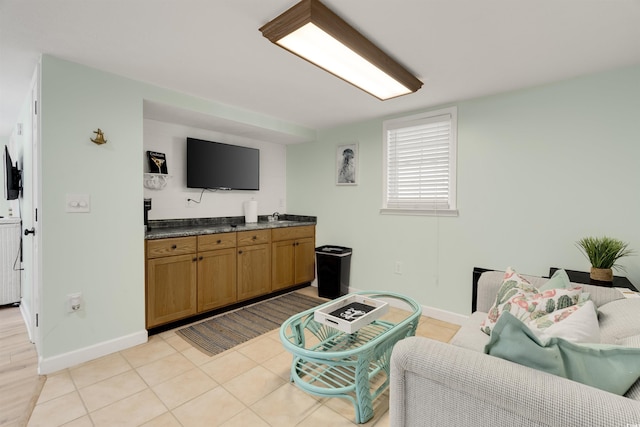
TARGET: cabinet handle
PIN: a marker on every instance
(219, 241)
(174, 246)
(194, 260)
(254, 237)
(239, 252)
(201, 258)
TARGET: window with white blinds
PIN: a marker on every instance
(420, 164)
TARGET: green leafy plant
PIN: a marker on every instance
(603, 252)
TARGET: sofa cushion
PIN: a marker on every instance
(608, 367)
(469, 335)
(619, 320)
(518, 297)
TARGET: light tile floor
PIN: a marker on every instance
(167, 382)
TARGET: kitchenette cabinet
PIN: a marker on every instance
(293, 256)
(186, 276)
(254, 264)
(216, 271)
(171, 280)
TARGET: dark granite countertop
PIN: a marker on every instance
(162, 229)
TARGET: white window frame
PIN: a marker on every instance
(422, 207)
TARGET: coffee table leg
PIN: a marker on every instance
(364, 409)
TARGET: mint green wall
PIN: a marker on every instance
(100, 253)
(537, 170)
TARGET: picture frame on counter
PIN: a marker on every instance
(347, 164)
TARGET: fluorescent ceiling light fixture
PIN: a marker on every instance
(313, 32)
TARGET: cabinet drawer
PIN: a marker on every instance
(212, 242)
(256, 237)
(292, 233)
(168, 247)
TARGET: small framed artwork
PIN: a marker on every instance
(157, 162)
(347, 164)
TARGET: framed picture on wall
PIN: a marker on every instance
(157, 162)
(347, 164)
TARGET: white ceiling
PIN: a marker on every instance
(460, 49)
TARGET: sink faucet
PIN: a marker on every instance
(275, 216)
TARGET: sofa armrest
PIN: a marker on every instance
(437, 384)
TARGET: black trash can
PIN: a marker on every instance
(334, 266)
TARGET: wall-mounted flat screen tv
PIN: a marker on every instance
(12, 177)
(219, 166)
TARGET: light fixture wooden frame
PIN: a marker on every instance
(314, 12)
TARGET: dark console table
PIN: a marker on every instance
(583, 277)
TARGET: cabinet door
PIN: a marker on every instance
(254, 271)
(282, 264)
(305, 269)
(171, 288)
(216, 279)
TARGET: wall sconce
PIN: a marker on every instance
(99, 139)
(313, 32)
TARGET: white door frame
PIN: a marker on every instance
(31, 243)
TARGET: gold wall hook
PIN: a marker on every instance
(99, 137)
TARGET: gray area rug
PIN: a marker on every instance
(223, 332)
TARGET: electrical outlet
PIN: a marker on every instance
(397, 269)
(75, 302)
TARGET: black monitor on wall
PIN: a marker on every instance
(12, 177)
(215, 165)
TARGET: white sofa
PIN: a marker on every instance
(457, 384)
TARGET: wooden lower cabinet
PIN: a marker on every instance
(293, 257)
(171, 288)
(190, 275)
(216, 279)
(254, 271)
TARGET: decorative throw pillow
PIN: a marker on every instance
(559, 280)
(608, 367)
(577, 323)
(518, 297)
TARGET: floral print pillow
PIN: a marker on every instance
(525, 302)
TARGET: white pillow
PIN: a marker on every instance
(581, 326)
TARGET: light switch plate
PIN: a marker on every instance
(78, 203)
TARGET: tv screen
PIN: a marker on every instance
(216, 165)
(12, 185)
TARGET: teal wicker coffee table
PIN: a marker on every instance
(330, 363)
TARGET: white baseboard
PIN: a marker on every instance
(26, 317)
(62, 361)
(436, 313)
(444, 315)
